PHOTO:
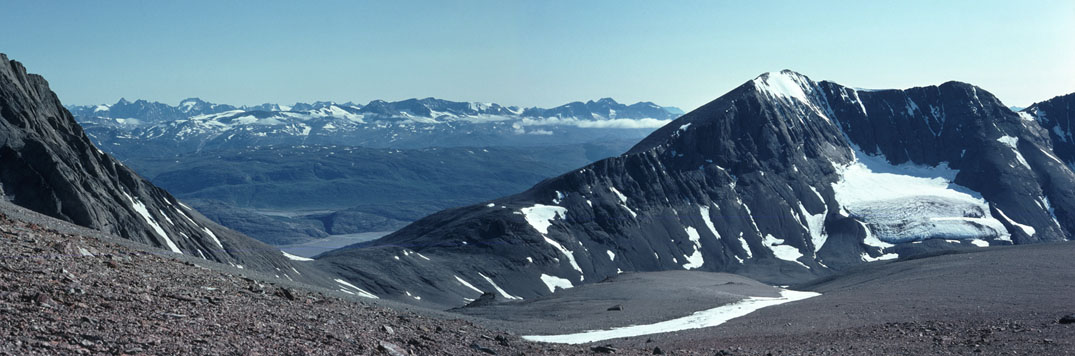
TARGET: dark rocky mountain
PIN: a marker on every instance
(51, 167)
(141, 128)
(1055, 116)
(783, 179)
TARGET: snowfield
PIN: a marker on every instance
(907, 202)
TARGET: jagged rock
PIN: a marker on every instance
(481, 348)
(1067, 319)
(606, 349)
(391, 349)
(486, 298)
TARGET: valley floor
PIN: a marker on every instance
(993, 301)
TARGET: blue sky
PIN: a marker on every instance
(530, 53)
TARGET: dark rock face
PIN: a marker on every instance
(782, 179)
(50, 166)
(1055, 116)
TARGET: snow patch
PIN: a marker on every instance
(704, 211)
(815, 225)
(468, 285)
(1027, 229)
(361, 292)
(498, 289)
(745, 245)
(1013, 143)
(540, 216)
(554, 282)
(701, 319)
(888, 256)
(781, 251)
(141, 209)
(295, 258)
(623, 201)
(213, 236)
(695, 259)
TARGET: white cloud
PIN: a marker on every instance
(596, 124)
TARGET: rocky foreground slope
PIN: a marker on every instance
(63, 293)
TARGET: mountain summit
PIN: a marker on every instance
(782, 179)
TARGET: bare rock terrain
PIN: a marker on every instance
(69, 294)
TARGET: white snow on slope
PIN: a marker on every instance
(468, 285)
(695, 259)
(570, 256)
(623, 201)
(295, 258)
(541, 216)
(213, 236)
(746, 246)
(701, 319)
(815, 225)
(141, 209)
(781, 85)
(1013, 142)
(498, 289)
(888, 256)
(611, 255)
(554, 282)
(907, 202)
(360, 292)
(704, 210)
(781, 251)
(1029, 230)
(166, 218)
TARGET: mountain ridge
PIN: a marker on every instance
(50, 166)
(771, 180)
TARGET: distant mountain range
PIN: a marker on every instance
(130, 128)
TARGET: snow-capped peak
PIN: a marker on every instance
(784, 84)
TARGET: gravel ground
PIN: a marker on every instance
(71, 294)
(994, 301)
(623, 300)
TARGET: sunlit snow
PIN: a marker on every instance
(360, 292)
(695, 259)
(295, 258)
(554, 282)
(702, 319)
(907, 202)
